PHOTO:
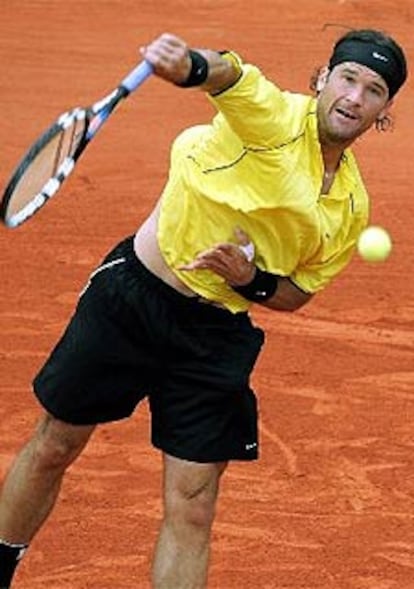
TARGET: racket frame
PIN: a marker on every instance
(93, 117)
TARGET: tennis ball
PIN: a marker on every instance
(374, 244)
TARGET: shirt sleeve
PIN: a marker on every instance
(259, 112)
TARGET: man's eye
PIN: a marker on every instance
(376, 91)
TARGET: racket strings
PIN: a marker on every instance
(44, 169)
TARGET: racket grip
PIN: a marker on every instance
(137, 76)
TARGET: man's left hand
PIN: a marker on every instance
(231, 261)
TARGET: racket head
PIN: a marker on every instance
(44, 167)
(52, 157)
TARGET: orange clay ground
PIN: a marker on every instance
(330, 504)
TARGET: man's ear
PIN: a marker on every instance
(384, 121)
(322, 78)
(386, 110)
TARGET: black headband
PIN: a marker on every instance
(379, 58)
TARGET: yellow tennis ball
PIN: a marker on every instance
(374, 244)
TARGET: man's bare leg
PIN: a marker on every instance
(34, 479)
(183, 547)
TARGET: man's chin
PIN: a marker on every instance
(342, 136)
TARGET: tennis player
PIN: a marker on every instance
(264, 205)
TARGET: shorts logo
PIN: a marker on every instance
(251, 446)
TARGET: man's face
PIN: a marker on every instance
(351, 98)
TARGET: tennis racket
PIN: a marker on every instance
(51, 159)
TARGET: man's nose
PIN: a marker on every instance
(355, 94)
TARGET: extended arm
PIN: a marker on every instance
(171, 58)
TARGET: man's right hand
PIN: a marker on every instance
(169, 56)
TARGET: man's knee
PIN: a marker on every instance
(56, 444)
(191, 491)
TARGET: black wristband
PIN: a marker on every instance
(261, 288)
(199, 70)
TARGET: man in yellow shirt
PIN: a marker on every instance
(264, 205)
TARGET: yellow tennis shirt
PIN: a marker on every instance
(258, 166)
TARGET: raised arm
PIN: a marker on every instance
(175, 62)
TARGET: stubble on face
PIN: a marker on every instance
(347, 105)
(334, 132)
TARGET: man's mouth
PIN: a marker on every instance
(346, 113)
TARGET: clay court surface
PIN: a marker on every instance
(330, 504)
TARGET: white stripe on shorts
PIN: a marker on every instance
(100, 269)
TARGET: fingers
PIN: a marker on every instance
(232, 261)
(169, 56)
(226, 260)
(211, 259)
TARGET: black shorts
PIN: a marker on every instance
(132, 336)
